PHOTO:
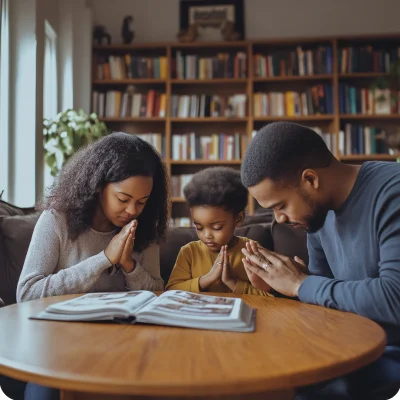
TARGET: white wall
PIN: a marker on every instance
(27, 19)
(22, 101)
(65, 56)
(158, 20)
(72, 24)
(82, 35)
(46, 10)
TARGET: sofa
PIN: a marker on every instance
(17, 224)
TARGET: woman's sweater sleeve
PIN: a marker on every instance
(38, 278)
(146, 275)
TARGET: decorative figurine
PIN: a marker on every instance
(127, 33)
(228, 31)
(189, 35)
(99, 33)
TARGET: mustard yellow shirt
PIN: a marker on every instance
(195, 260)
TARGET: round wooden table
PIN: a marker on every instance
(294, 345)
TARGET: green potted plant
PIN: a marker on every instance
(68, 131)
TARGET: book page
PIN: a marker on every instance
(187, 305)
(127, 302)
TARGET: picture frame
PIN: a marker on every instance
(210, 15)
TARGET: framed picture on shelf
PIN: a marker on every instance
(214, 19)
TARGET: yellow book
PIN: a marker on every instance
(163, 67)
(289, 99)
(117, 104)
(163, 105)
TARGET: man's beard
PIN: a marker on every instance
(316, 219)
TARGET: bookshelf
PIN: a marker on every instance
(207, 98)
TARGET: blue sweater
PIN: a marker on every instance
(355, 257)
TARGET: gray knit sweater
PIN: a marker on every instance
(56, 265)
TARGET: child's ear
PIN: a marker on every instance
(240, 218)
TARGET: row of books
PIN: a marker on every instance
(298, 62)
(183, 222)
(155, 139)
(314, 100)
(178, 182)
(366, 59)
(114, 103)
(190, 146)
(353, 139)
(223, 65)
(130, 67)
(368, 101)
(292, 63)
(361, 139)
(206, 105)
(328, 137)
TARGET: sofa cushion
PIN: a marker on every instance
(10, 209)
(266, 216)
(178, 237)
(290, 241)
(16, 235)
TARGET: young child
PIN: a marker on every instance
(217, 200)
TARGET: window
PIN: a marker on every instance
(50, 107)
(4, 99)
(50, 84)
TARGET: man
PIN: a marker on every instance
(352, 217)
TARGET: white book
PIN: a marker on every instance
(184, 147)
(176, 144)
(342, 146)
(172, 308)
(192, 146)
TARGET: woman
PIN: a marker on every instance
(102, 222)
(101, 225)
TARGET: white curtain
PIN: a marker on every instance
(4, 98)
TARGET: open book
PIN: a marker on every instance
(175, 308)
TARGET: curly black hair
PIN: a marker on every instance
(113, 158)
(217, 186)
(281, 151)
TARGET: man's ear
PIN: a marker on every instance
(240, 218)
(310, 179)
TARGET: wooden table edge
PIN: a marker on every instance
(284, 382)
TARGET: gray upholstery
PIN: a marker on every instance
(17, 225)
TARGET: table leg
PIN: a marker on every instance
(281, 395)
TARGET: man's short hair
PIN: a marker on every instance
(281, 151)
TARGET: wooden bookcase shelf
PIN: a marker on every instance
(365, 157)
(141, 81)
(219, 81)
(292, 78)
(370, 116)
(133, 119)
(324, 69)
(208, 119)
(356, 75)
(303, 118)
(206, 162)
